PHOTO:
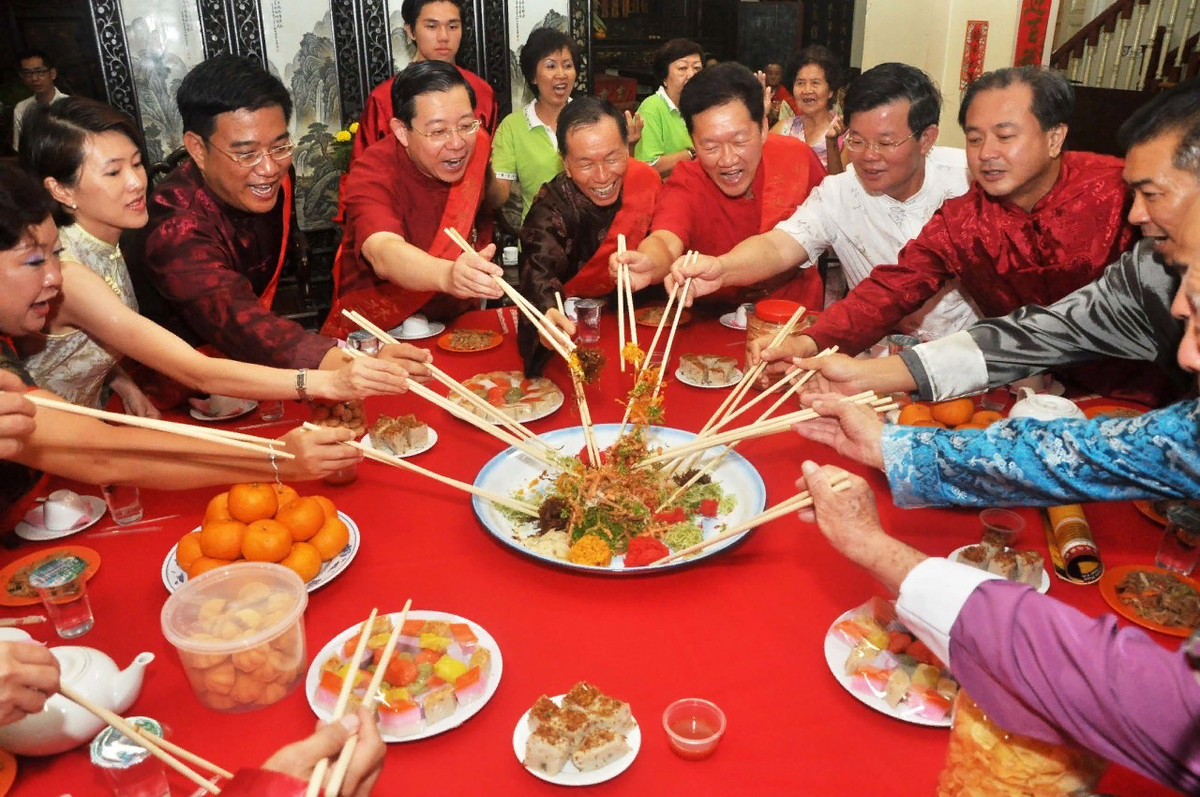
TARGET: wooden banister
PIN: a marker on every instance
(1089, 34)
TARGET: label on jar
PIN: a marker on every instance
(1073, 551)
(112, 749)
(57, 572)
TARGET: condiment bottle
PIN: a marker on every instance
(770, 316)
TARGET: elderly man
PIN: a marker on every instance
(572, 227)
(395, 258)
(38, 74)
(215, 246)
(867, 214)
(434, 27)
(742, 182)
(1036, 224)
(1125, 313)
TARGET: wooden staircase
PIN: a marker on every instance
(1128, 46)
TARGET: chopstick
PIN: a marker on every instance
(339, 708)
(628, 293)
(649, 353)
(687, 286)
(186, 755)
(388, 459)
(798, 501)
(585, 413)
(448, 381)
(343, 762)
(621, 303)
(183, 430)
(29, 619)
(132, 733)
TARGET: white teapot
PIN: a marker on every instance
(1043, 406)
(62, 724)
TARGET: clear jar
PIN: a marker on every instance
(770, 316)
(986, 761)
(341, 414)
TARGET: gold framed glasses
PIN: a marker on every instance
(856, 144)
(443, 134)
(248, 160)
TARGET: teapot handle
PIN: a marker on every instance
(1024, 393)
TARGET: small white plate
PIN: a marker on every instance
(730, 320)
(734, 378)
(246, 407)
(433, 438)
(173, 576)
(1043, 588)
(31, 527)
(570, 776)
(461, 714)
(435, 328)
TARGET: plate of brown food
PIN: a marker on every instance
(1157, 509)
(579, 738)
(466, 341)
(402, 436)
(1153, 597)
(651, 316)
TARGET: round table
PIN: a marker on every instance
(744, 628)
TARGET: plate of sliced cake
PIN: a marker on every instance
(579, 738)
(1027, 567)
(708, 370)
(401, 436)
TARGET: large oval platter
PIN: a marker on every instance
(512, 470)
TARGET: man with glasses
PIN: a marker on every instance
(402, 194)
(869, 212)
(215, 245)
(38, 73)
(742, 182)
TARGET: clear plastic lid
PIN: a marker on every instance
(112, 749)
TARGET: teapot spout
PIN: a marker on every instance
(128, 683)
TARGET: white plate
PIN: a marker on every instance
(246, 407)
(433, 438)
(174, 577)
(730, 320)
(1043, 588)
(554, 407)
(836, 652)
(734, 378)
(435, 328)
(31, 527)
(511, 470)
(460, 715)
(570, 776)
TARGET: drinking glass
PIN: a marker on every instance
(124, 503)
(61, 586)
(270, 410)
(1181, 541)
(364, 342)
(588, 311)
(129, 769)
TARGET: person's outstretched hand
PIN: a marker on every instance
(298, 759)
(850, 429)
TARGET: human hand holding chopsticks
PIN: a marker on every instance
(16, 414)
(471, 274)
(28, 676)
(640, 267)
(840, 373)
(359, 378)
(318, 452)
(414, 360)
(300, 758)
(561, 321)
(853, 430)
(706, 273)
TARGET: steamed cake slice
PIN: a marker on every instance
(582, 695)
(600, 748)
(572, 724)
(543, 711)
(547, 750)
(611, 714)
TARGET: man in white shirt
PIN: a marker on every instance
(897, 179)
(38, 73)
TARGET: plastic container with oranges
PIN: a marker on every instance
(239, 631)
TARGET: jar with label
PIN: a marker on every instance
(770, 316)
(984, 760)
(127, 766)
(341, 414)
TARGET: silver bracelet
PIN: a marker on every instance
(274, 462)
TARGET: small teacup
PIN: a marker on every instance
(1043, 406)
(742, 314)
(62, 510)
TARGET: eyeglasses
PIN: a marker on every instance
(248, 160)
(33, 72)
(443, 134)
(856, 144)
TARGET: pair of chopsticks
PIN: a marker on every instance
(388, 459)
(624, 298)
(245, 442)
(158, 747)
(798, 501)
(343, 760)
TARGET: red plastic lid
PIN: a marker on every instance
(777, 311)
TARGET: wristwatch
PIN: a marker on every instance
(302, 384)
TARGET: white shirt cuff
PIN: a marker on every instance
(955, 366)
(931, 598)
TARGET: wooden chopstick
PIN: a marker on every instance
(798, 501)
(621, 303)
(343, 762)
(186, 755)
(687, 286)
(388, 459)
(649, 353)
(339, 709)
(629, 312)
(29, 619)
(180, 429)
(134, 736)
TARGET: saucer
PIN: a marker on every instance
(31, 527)
(730, 320)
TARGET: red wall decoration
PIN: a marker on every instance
(1031, 32)
(974, 49)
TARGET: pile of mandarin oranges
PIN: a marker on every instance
(264, 523)
(955, 414)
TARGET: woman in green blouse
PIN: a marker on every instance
(665, 140)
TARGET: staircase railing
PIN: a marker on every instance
(1126, 46)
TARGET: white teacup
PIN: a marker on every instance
(742, 315)
(415, 325)
(1043, 406)
(62, 510)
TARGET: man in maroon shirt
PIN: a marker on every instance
(1036, 224)
(403, 193)
(214, 247)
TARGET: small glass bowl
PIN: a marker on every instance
(1002, 522)
(694, 727)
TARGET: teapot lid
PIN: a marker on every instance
(72, 662)
(112, 749)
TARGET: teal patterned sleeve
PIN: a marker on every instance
(1024, 462)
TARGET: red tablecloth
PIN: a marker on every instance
(743, 628)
